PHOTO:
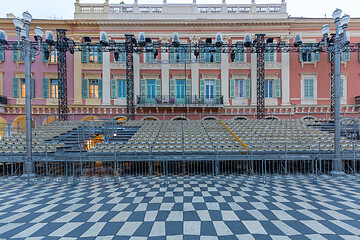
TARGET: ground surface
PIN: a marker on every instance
(185, 209)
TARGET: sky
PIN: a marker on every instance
(64, 9)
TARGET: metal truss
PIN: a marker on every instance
(260, 48)
(130, 108)
(62, 74)
(332, 84)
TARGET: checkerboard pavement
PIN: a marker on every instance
(182, 209)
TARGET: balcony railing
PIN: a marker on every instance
(3, 100)
(179, 100)
(357, 100)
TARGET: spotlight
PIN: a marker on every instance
(232, 56)
(208, 41)
(116, 56)
(269, 40)
(87, 39)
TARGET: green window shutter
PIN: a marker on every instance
(217, 91)
(232, 87)
(15, 53)
(44, 47)
(122, 57)
(32, 83)
(100, 54)
(143, 87)
(311, 88)
(247, 88)
(172, 54)
(202, 54)
(341, 87)
(172, 87)
(85, 88)
(277, 88)
(45, 87)
(158, 88)
(188, 87)
(2, 52)
(32, 55)
(113, 88)
(300, 54)
(84, 53)
(202, 90)
(187, 53)
(242, 56)
(217, 55)
(15, 87)
(148, 57)
(100, 86)
(316, 57)
(346, 55)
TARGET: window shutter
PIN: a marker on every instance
(158, 88)
(122, 57)
(113, 88)
(45, 87)
(100, 54)
(202, 54)
(44, 47)
(217, 91)
(15, 53)
(241, 57)
(202, 90)
(85, 88)
(84, 54)
(15, 87)
(217, 55)
(172, 54)
(143, 87)
(311, 87)
(247, 88)
(148, 57)
(232, 87)
(188, 88)
(300, 55)
(346, 55)
(32, 82)
(187, 53)
(341, 87)
(2, 53)
(172, 88)
(316, 57)
(277, 88)
(100, 86)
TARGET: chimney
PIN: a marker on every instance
(10, 15)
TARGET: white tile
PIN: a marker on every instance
(128, 228)
(94, 230)
(204, 215)
(317, 227)
(175, 216)
(150, 216)
(282, 215)
(97, 216)
(13, 217)
(347, 227)
(245, 237)
(192, 227)
(121, 217)
(221, 229)
(9, 226)
(27, 232)
(67, 217)
(229, 216)
(254, 227)
(158, 229)
(257, 214)
(119, 207)
(166, 206)
(65, 229)
(286, 229)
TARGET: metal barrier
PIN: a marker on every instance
(263, 168)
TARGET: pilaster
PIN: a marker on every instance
(285, 74)
(77, 78)
(253, 78)
(136, 59)
(225, 74)
(106, 78)
(194, 70)
(165, 69)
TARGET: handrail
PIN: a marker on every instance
(236, 137)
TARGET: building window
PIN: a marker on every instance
(54, 88)
(53, 56)
(150, 88)
(122, 88)
(22, 88)
(239, 88)
(93, 88)
(268, 88)
(270, 53)
(308, 88)
(307, 54)
(240, 55)
(93, 56)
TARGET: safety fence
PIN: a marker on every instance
(263, 168)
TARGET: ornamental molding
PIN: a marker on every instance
(180, 76)
(286, 38)
(239, 75)
(22, 74)
(150, 75)
(92, 66)
(164, 39)
(52, 101)
(271, 75)
(119, 76)
(194, 39)
(272, 65)
(118, 66)
(92, 102)
(240, 65)
(150, 66)
(210, 76)
(51, 75)
(92, 75)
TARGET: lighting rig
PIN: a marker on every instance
(143, 45)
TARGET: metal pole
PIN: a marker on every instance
(27, 51)
(337, 165)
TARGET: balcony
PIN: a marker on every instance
(357, 100)
(3, 102)
(179, 101)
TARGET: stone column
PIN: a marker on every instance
(106, 78)
(165, 69)
(194, 70)
(253, 78)
(77, 76)
(225, 74)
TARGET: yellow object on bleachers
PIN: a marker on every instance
(236, 137)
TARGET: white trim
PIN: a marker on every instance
(309, 101)
(343, 100)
